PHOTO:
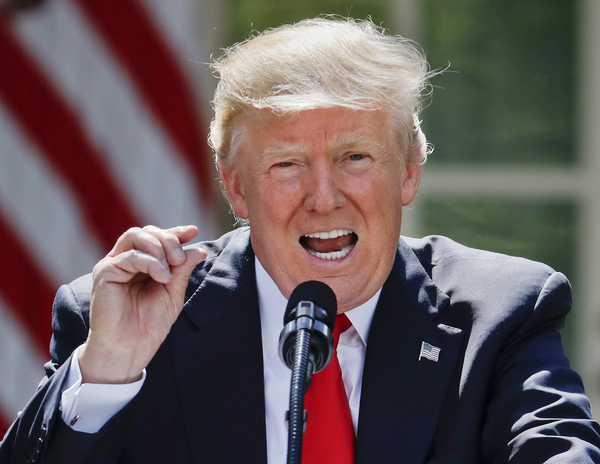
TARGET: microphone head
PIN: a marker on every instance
(316, 292)
(311, 310)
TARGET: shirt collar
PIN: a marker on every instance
(272, 305)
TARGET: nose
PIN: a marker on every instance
(323, 194)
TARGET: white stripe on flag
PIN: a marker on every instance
(183, 33)
(21, 365)
(180, 30)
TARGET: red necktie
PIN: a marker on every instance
(329, 436)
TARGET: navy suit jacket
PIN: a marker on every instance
(501, 391)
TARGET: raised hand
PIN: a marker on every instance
(137, 294)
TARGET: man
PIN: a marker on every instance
(454, 354)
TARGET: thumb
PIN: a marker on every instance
(181, 273)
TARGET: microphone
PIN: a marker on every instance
(312, 307)
(306, 347)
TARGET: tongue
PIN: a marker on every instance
(329, 245)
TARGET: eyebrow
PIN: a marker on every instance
(353, 139)
(283, 149)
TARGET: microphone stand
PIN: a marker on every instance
(301, 379)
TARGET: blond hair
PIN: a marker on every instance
(320, 63)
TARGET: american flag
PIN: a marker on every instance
(100, 130)
(429, 351)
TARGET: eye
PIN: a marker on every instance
(356, 156)
(356, 162)
(285, 170)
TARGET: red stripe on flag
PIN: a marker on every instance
(52, 125)
(129, 31)
(25, 288)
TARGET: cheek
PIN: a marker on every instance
(272, 211)
(256, 200)
(278, 201)
(384, 193)
(386, 209)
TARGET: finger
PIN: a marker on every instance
(172, 240)
(184, 233)
(128, 265)
(165, 244)
(194, 256)
(139, 239)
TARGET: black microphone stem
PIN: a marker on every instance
(296, 413)
(305, 346)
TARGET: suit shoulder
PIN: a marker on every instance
(469, 274)
(70, 317)
(441, 252)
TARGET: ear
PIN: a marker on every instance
(234, 189)
(410, 186)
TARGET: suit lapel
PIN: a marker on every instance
(401, 395)
(217, 355)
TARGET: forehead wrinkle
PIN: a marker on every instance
(338, 141)
(334, 140)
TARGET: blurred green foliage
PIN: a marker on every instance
(249, 15)
(507, 96)
(540, 230)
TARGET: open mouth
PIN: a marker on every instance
(335, 244)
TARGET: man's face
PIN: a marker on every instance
(323, 191)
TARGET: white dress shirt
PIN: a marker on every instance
(87, 407)
(351, 356)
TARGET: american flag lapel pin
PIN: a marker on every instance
(428, 351)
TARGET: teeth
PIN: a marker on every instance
(332, 234)
(333, 254)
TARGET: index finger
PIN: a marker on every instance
(172, 240)
(163, 244)
(184, 233)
